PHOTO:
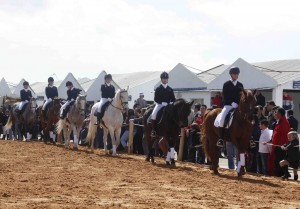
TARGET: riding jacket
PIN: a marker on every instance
(231, 92)
(108, 91)
(25, 95)
(51, 92)
(73, 93)
(163, 94)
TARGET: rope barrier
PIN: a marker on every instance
(275, 145)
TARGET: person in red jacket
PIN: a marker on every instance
(279, 138)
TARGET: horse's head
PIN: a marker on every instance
(247, 102)
(122, 97)
(80, 102)
(182, 110)
(56, 104)
(32, 103)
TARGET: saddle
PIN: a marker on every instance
(159, 116)
(104, 107)
(20, 112)
(228, 118)
(47, 107)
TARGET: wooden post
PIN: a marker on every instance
(181, 145)
(130, 139)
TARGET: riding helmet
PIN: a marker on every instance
(69, 83)
(234, 70)
(108, 76)
(164, 75)
(50, 79)
(25, 83)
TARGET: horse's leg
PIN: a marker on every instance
(241, 163)
(213, 153)
(118, 136)
(75, 137)
(113, 141)
(66, 134)
(105, 133)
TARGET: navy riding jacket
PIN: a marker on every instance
(25, 95)
(107, 91)
(73, 93)
(164, 95)
(51, 92)
(231, 92)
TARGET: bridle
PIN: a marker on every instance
(78, 105)
(123, 104)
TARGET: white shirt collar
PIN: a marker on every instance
(164, 85)
(234, 82)
(26, 90)
(108, 84)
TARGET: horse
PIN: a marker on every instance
(112, 121)
(48, 124)
(73, 121)
(26, 120)
(239, 132)
(175, 116)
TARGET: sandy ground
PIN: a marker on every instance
(35, 175)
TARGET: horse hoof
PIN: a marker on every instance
(75, 148)
(152, 160)
(173, 162)
(168, 163)
(147, 159)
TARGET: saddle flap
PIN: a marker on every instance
(159, 116)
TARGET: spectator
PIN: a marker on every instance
(270, 113)
(231, 154)
(292, 120)
(260, 114)
(7, 133)
(83, 132)
(217, 100)
(1, 122)
(264, 149)
(279, 138)
(287, 101)
(141, 101)
(292, 155)
(260, 99)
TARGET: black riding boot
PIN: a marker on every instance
(154, 128)
(44, 114)
(99, 116)
(286, 174)
(220, 142)
(296, 177)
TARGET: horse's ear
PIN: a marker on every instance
(190, 103)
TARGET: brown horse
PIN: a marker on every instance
(239, 132)
(175, 116)
(48, 124)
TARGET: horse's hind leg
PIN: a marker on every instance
(105, 133)
(75, 137)
(113, 141)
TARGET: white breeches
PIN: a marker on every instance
(224, 112)
(155, 111)
(102, 101)
(64, 106)
(22, 104)
(46, 103)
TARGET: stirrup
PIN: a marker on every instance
(220, 143)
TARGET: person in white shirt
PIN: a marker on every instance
(264, 149)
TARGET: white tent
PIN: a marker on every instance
(62, 89)
(4, 88)
(251, 77)
(182, 79)
(19, 87)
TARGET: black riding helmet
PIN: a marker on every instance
(108, 76)
(234, 70)
(50, 79)
(164, 75)
(25, 83)
(69, 83)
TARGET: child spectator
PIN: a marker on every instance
(264, 149)
(292, 155)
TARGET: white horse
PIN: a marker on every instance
(73, 121)
(111, 122)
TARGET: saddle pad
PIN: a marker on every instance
(227, 124)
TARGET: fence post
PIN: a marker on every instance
(130, 139)
(181, 145)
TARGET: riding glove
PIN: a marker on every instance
(234, 105)
(164, 104)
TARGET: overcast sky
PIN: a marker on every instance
(39, 38)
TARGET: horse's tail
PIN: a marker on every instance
(91, 133)
(204, 139)
(59, 126)
(9, 123)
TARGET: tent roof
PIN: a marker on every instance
(4, 88)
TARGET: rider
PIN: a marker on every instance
(163, 96)
(51, 93)
(25, 95)
(231, 96)
(107, 94)
(72, 95)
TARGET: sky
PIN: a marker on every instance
(42, 38)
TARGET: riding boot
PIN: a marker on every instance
(63, 115)
(99, 118)
(286, 172)
(220, 142)
(296, 177)
(154, 128)
(44, 114)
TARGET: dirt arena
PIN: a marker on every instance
(35, 175)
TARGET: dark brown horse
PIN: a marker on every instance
(48, 124)
(175, 116)
(239, 132)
